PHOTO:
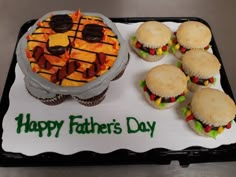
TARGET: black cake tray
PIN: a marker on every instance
(185, 157)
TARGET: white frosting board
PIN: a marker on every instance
(118, 116)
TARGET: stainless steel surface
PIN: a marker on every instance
(219, 14)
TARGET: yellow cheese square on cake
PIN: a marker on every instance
(59, 39)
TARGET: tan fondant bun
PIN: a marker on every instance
(200, 63)
(193, 35)
(153, 34)
(166, 80)
(213, 107)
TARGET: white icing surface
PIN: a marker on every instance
(123, 99)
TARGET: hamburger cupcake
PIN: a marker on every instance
(190, 35)
(210, 112)
(151, 40)
(164, 86)
(200, 66)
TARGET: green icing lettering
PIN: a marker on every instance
(72, 123)
(89, 126)
(142, 84)
(152, 127)
(143, 54)
(42, 127)
(59, 125)
(102, 128)
(198, 127)
(134, 126)
(180, 99)
(118, 129)
(33, 127)
(23, 125)
(39, 127)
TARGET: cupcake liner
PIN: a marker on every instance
(54, 101)
(93, 101)
(59, 98)
(121, 73)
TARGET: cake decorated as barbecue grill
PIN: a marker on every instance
(74, 54)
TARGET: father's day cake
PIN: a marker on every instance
(124, 120)
(71, 54)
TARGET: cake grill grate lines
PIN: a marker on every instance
(112, 55)
(96, 42)
(74, 35)
(66, 78)
(33, 40)
(77, 28)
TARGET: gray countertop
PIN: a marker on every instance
(220, 16)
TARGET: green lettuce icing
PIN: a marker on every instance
(173, 50)
(142, 83)
(180, 99)
(213, 133)
(179, 64)
(184, 111)
(165, 53)
(143, 54)
(162, 105)
(133, 38)
(214, 83)
(198, 127)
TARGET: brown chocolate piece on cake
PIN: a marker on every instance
(61, 23)
(58, 44)
(92, 33)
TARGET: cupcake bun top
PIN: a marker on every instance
(193, 35)
(213, 107)
(200, 63)
(153, 34)
(166, 80)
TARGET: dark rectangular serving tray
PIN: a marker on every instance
(119, 157)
